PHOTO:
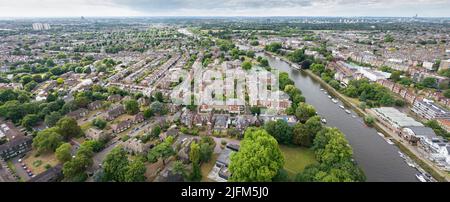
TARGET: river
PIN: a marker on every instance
(379, 160)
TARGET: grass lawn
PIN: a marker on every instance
(207, 167)
(86, 126)
(296, 159)
(37, 164)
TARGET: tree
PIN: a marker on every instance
(280, 130)
(29, 121)
(52, 118)
(247, 65)
(255, 110)
(47, 140)
(264, 62)
(99, 123)
(115, 165)
(74, 170)
(429, 82)
(369, 120)
(132, 106)
(63, 153)
(68, 128)
(82, 101)
(317, 68)
(159, 96)
(304, 134)
(258, 160)
(156, 131)
(304, 112)
(447, 93)
(194, 156)
(162, 150)
(157, 108)
(194, 153)
(207, 145)
(136, 171)
(395, 76)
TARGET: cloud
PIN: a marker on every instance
(225, 7)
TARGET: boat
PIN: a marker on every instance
(321, 89)
(410, 164)
(324, 121)
(380, 134)
(348, 111)
(330, 97)
(342, 106)
(277, 58)
(334, 101)
(326, 93)
(401, 154)
(389, 141)
(420, 177)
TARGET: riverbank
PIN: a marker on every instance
(435, 172)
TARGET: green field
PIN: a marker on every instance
(296, 159)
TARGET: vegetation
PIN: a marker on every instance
(258, 160)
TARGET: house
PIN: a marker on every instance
(96, 134)
(445, 124)
(430, 111)
(224, 160)
(138, 118)
(221, 122)
(185, 148)
(115, 112)
(115, 98)
(241, 123)
(291, 120)
(415, 134)
(143, 101)
(122, 126)
(136, 146)
(95, 105)
(16, 142)
(53, 174)
(78, 114)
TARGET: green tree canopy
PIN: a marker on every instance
(258, 160)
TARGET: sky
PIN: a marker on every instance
(71, 8)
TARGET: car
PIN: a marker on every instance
(33, 176)
(30, 174)
(20, 160)
(24, 167)
(85, 119)
(28, 171)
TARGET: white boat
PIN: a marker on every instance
(389, 141)
(342, 106)
(324, 121)
(348, 111)
(380, 134)
(330, 97)
(334, 101)
(401, 154)
(277, 58)
(420, 177)
(326, 93)
(410, 164)
(321, 89)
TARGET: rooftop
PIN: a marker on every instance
(397, 117)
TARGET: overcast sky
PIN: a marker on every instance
(61, 8)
